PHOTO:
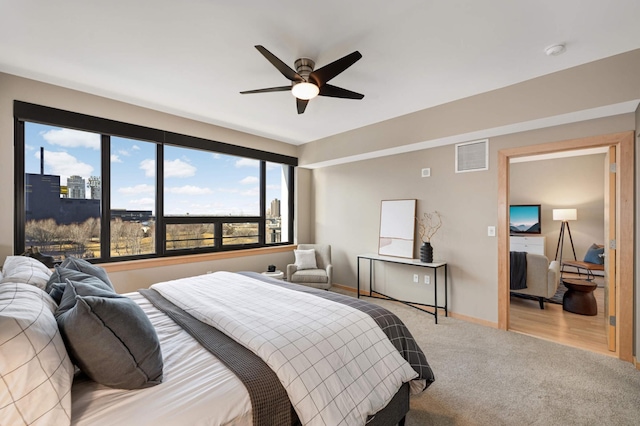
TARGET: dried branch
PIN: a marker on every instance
(429, 225)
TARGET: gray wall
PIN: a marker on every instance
(347, 209)
(576, 182)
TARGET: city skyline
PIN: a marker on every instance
(196, 182)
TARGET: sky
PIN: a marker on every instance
(196, 182)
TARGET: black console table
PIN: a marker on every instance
(372, 258)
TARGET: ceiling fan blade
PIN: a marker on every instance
(270, 89)
(281, 66)
(339, 92)
(302, 105)
(326, 73)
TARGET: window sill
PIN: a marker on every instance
(191, 258)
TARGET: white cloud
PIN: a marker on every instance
(115, 159)
(272, 166)
(175, 168)
(138, 189)
(135, 148)
(144, 203)
(178, 168)
(249, 180)
(64, 165)
(70, 138)
(251, 192)
(247, 162)
(124, 152)
(276, 187)
(188, 190)
(149, 167)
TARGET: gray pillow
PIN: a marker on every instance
(109, 337)
(86, 267)
(58, 281)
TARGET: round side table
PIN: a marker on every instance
(279, 275)
(579, 297)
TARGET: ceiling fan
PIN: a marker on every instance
(306, 83)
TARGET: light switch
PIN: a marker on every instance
(491, 231)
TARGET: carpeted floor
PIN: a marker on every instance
(486, 376)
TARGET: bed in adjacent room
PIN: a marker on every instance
(223, 349)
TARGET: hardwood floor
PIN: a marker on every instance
(553, 323)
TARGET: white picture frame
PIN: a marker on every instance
(397, 228)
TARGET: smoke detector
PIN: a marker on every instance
(555, 50)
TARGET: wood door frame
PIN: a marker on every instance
(624, 233)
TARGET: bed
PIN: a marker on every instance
(272, 363)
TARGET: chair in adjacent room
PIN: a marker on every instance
(593, 261)
(312, 266)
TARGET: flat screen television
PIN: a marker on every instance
(524, 219)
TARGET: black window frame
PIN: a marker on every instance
(29, 112)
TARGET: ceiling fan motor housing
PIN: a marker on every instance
(304, 67)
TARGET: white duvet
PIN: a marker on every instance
(335, 363)
(197, 390)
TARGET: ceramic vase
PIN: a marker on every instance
(426, 253)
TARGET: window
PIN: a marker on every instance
(133, 197)
(277, 203)
(61, 191)
(108, 190)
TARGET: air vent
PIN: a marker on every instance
(472, 156)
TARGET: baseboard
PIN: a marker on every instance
(451, 314)
(636, 363)
(351, 289)
(473, 320)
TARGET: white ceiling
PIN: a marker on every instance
(193, 57)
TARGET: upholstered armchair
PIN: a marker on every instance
(306, 272)
(543, 278)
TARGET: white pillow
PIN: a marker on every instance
(305, 259)
(37, 373)
(23, 269)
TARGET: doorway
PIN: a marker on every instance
(566, 193)
(623, 283)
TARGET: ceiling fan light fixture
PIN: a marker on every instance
(305, 90)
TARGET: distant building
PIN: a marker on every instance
(275, 208)
(132, 215)
(43, 201)
(76, 187)
(95, 185)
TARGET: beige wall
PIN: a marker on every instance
(347, 208)
(16, 88)
(132, 280)
(576, 182)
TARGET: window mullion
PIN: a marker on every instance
(105, 195)
(161, 231)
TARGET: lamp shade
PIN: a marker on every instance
(565, 214)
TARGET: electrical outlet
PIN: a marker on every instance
(427, 279)
(416, 278)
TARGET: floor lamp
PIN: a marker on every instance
(565, 215)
